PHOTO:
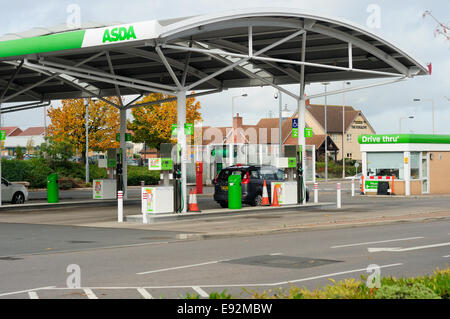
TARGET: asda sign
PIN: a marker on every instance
(119, 34)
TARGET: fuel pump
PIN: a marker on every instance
(300, 184)
(119, 171)
(177, 188)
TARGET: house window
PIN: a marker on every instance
(349, 155)
(349, 137)
(334, 137)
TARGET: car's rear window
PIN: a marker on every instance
(224, 174)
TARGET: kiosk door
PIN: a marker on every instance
(424, 173)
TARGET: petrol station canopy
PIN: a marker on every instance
(207, 53)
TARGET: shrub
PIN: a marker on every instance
(409, 291)
(137, 174)
(36, 171)
(436, 286)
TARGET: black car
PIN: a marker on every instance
(252, 182)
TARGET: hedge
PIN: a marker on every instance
(36, 170)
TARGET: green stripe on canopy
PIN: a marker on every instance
(46, 43)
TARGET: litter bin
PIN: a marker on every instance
(234, 192)
(52, 188)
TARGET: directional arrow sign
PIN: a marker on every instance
(398, 249)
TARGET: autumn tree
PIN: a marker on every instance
(68, 124)
(152, 124)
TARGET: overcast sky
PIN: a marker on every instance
(401, 23)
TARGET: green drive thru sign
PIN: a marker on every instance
(2, 135)
(404, 139)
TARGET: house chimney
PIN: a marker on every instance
(237, 121)
(237, 127)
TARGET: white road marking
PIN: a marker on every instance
(181, 267)
(144, 293)
(377, 250)
(331, 275)
(24, 291)
(200, 291)
(276, 254)
(377, 242)
(203, 293)
(407, 249)
(89, 293)
(33, 295)
(446, 256)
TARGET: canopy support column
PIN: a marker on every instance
(123, 146)
(301, 117)
(182, 145)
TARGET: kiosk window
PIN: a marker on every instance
(415, 165)
(385, 164)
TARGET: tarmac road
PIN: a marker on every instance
(171, 268)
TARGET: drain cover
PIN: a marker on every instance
(10, 258)
(280, 261)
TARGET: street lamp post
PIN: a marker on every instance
(432, 111)
(87, 140)
(343, 127)
(278, 96)
(404, 118)
(232, 125)
(326, 132)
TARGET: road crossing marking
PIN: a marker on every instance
(200, 291)
(26, 291)
(377, 242)
(89, 293)
(144, 293)
(33, 295)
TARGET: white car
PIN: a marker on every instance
(13, 193)
(356, 177)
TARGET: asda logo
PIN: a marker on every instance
(119, 34)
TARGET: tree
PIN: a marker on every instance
(19, 153)
(57, 150)
(152, 124)
(68, 124)
(30, 146)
